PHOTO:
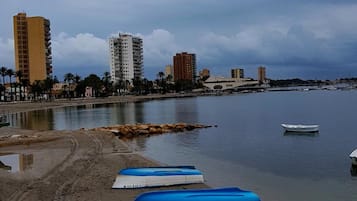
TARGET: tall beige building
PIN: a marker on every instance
(169, 70)
(204, 73)
(261, 74)
(237, 73)
(32, 47)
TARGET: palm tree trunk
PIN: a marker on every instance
(11, 95)
(3, 83)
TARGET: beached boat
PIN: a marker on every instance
(3, 121)
(300, 128)
(220, 194)
(353, 157)
(157, 176)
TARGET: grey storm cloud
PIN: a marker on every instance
(315, 38)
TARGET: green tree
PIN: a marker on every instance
(94, 81)
(25, 84)
(55, 79)
(19, 75)
(183, 85)
(127, 85)
(68, 79)
(169, 83)
(161, 82)
(169, 78)
(3, 74)
(120, 85)
(10, 73)
(107, 83)
(137, 85)
(77, 80)
(2, 88)
(48, 86)
(37, 88)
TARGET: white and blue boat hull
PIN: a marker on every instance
(221, 194)
(157, 176)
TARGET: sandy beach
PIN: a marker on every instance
(69, 165)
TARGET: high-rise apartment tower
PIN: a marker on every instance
(261, 74)
(237, 73)
(184, 66)
(169, 71)
(126, 58)
(32, 47)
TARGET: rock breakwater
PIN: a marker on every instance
(135, 130)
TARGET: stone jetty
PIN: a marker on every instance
(135, 130)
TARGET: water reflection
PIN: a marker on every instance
(39, 119)
(16, 162)
(128, 113)
(97, 115)
(188, 139)
(186, 111)
(138, 143)
(307, 134)
(75, 117)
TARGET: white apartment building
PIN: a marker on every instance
(126, 58)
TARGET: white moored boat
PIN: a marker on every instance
(353, 156)
(157, 176)
(300, 128)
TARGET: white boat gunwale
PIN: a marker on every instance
(301, 128)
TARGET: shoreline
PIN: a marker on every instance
(25, 106)
(71, 165)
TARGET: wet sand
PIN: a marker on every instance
(68, 165)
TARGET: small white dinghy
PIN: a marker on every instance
(300, 128)
(353, 157)
(157, 176)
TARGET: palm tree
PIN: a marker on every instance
(3, 74)
(68, 78)
(19, 76)
(106, 82)
(2, 88)
(169, 77)
(119, 85)
(169, 82)
(127, 84)
(48, 85)
(162, 83)
(55, 79)
(10, 73)
(37, 88)
(25, 83)
(77, 80)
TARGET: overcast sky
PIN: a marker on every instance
(309, 39)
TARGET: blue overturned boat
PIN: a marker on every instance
(157, 176)
(219, 194)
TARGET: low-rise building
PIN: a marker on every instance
(222, 83)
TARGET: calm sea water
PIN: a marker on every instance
(248, 149)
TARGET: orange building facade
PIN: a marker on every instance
(184, 66)
(32, 47)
